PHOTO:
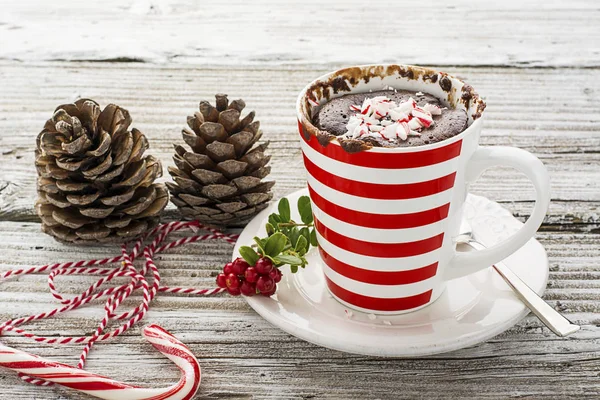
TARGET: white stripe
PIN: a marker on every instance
(45, 370)
(379, 263)
(381, 291)
(185, 365)
(94, 378)
(133, 394)
(13, 357)
(380, 175)
(380, 235)
(168, 343)
(377, 206)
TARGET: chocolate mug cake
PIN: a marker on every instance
(390, 118)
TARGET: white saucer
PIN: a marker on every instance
(471, 310)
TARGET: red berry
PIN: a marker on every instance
(248, 289)
(251, 275)
(275, 274)
(228, 268)
(233, 282)
(271, 292)
(240, 266)
(265, 284)
(234, 292)
(264, 266)
(221, 281)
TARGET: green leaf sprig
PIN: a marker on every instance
(288, 241)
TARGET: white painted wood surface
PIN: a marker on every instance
(265, 52)
(461, 32)
(242, 355)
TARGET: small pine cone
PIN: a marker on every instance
(219, 182)
(94, 182)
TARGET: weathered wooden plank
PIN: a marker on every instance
(552, 113)
(244, 357)
(525, 368)
(571, 182)
(271, 32)
(574, 262)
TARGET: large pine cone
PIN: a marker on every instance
(220, 182)
(94, 182)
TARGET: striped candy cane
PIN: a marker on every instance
(110, 389)
(147, 279)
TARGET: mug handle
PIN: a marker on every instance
(465, 263)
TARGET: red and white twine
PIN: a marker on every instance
(147, 280)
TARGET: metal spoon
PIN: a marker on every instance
(548, 315)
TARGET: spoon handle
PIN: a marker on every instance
(548, 315)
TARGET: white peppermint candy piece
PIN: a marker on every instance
(415, 125)
(379, 114)
(386, 122)
(382, 106)
(358, 131)
(364, 130)
(390, 131)
(398, 115)
(402, 130)
(406, 106)
(355, 119)
(353, 122)
(366, 107)
(375, 128)
(351, 131)
(423, 116)
(370, 120)
(432, 109)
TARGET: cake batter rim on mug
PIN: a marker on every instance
(342, 81)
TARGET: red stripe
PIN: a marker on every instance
(95, 385)
(380, 191)
(70, 374)
(376, 303)
(382, 250)
(31, 364)
(190, 359)
(379, 221)
(389, 160)
(378, 277)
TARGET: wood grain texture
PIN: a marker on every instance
(243, 357)
(552, 113)
(512, 32)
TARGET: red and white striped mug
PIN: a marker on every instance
(386, 217)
